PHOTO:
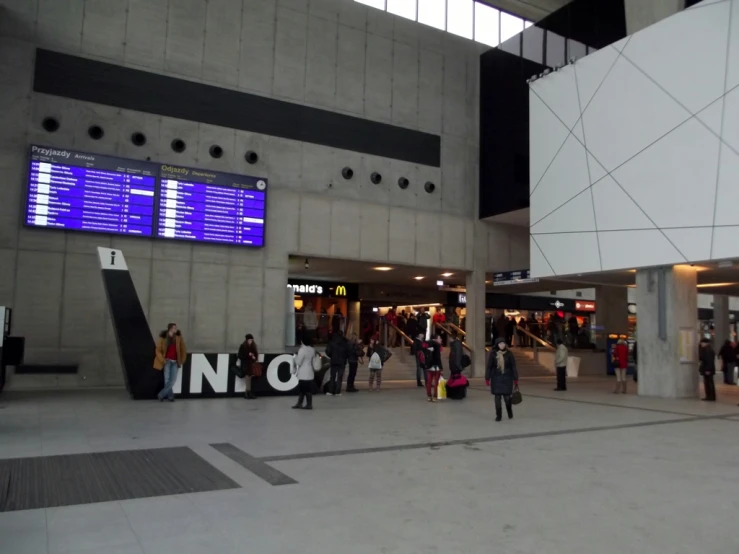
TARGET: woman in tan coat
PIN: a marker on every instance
(169, 355)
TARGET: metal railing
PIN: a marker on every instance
(535, 339)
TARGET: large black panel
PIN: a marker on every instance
(135, 343)
(596, 23)
(504, 132)
(113, 85)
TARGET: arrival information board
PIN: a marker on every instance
(209, 206)
(88, 192)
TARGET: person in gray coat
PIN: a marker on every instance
(455, 353)
(501, 376)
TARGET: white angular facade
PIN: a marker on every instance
(635, 149)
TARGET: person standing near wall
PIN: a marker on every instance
(707, 368)
(248, 356)
(501, 376)
(560, 363)
(728, 361)
(170, 354)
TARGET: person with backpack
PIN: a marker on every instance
(377, 356)
(305, 370)
(356, 353)
(501, 376)
(338, 352)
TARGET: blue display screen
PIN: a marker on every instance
(88, 192)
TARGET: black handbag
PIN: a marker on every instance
(238, 370)
(516, 397)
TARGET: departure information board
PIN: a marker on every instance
(209, 206)
(88, 192)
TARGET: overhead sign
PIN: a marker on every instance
(462, 298)
(584, 306)
(557, 304)
(323, 288)
(513, 278)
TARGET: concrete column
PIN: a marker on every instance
(475, 337)
(667, 344)
(611, 312)
(643, 13)
(721, 322)
(353, 316)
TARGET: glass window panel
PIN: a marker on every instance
(403, 8)
(433, 13)
(510, 26)
(380, 4)
(533, 44)
(459, 17)
(555, 50)
(512, 45)
(486, 24)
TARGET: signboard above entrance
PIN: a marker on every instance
(513, 278)
(324, 288)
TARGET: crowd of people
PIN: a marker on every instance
(517, 332)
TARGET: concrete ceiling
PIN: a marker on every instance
(533, 10)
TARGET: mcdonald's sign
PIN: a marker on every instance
(340, 291)
(324, 288)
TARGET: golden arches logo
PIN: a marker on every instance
(341, 290)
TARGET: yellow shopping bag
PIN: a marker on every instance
(441, 389)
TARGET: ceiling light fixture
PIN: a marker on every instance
(708, 285)
(383, 268)
(419, 278)
(447, 274)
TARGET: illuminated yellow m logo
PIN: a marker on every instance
(341, 290)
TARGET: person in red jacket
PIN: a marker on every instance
(621, 359)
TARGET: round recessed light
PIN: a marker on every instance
(383, 268)
(447, 274)
(419, 278)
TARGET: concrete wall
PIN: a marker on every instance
(332, 54)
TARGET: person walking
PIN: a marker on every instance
(338, 352)
(728, 361)
(707, 368)
(377, 356)
(170, 354)
(355, 356)
(560, 363)
(303, 370)
(434, 372)
(501, 376)
(621, 365)
(248, 355)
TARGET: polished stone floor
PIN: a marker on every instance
(578, 472)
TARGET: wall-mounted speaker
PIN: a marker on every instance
(178, 145)
(138, 139)
(96, 132)
(429, 187)
(347, 173)
(403, 183)
(251, 157)
(376, 178)
(50, 124)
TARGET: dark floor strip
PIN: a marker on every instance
(457, 442)
(593, 403)
(256, 465)
(50, 481)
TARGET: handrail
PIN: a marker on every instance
(457, 328)
(540, 340)
(402, 334)
(464, 344)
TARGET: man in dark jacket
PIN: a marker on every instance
(728, 361)
(355, 354)
(707, 358)
(455, 353)
(338, 352)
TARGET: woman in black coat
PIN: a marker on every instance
(248, 356)
(501, 376)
